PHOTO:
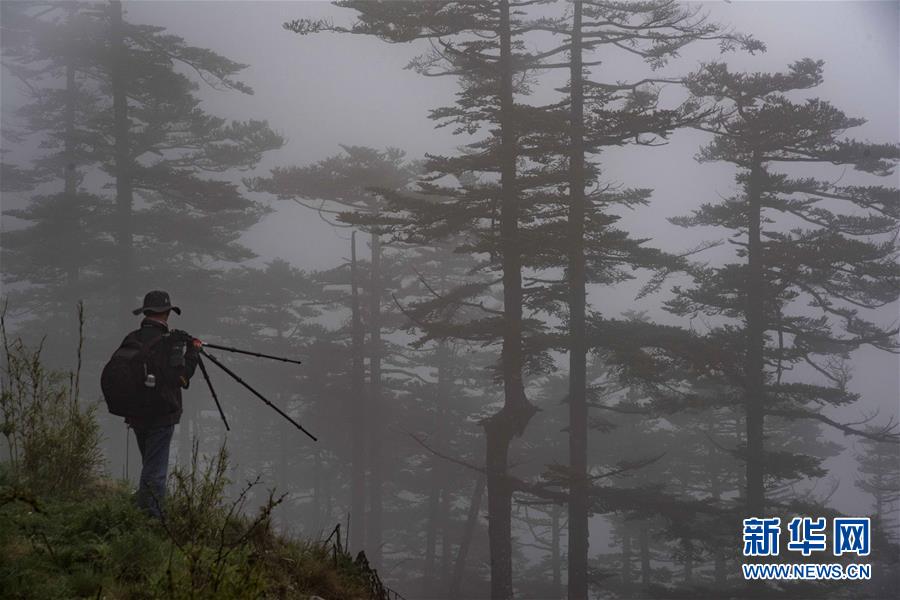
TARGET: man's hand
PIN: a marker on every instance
(191, 358)
(183, 336)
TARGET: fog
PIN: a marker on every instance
(435, 375)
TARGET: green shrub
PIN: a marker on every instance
(103, 545)
(66, 533)
(53, 440)
(219, 548)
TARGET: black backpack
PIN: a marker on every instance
(124, 376)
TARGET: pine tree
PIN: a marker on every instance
(458, 377)
(48, 48)
(597, 116)
(275, 307)
(131, 122)
(134, 116)
(165, 148)
(351, 184)
(799, 240)
(879, 477)
(479, 43)
(344, 181)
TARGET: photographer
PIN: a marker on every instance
(172, 363)
(142, 382)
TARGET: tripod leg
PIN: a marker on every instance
(251, 353)
(212, 391)
(257, 394)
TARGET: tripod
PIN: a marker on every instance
(200, 345)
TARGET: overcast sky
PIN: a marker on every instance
(323, 90)
(326, 89)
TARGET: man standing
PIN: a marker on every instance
(173, 364)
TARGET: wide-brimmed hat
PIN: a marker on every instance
(157, 301)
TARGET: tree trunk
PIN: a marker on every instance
(688, 562)
(715, 492)
(880, 490)
(444, 376)
(626, 558)
(317, 489)
(124, 193)
(498, 436)
(357, 413)
(434, 493)
(555, 551)
(435, 496)
(511, 420)
(754, 356)
(739, 430)
(284, 483)
(328, 519)
(186, 438)
(578, 494)
(719, 566)
(70, 180)
(446, 546)
(645, 553)
(468, 532)
(376, 415)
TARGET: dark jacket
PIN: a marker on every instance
(170, 380)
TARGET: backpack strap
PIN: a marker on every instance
(132, 347)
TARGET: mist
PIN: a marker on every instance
(560, 330)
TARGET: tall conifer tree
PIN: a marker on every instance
(799, 241)
(601, 115)
(344, 182)
(478, 42)
(137, 119)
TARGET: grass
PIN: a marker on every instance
(66, 531)
(102, 546)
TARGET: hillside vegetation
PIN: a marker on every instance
(67, 531)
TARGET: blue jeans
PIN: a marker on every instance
(154, 446)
